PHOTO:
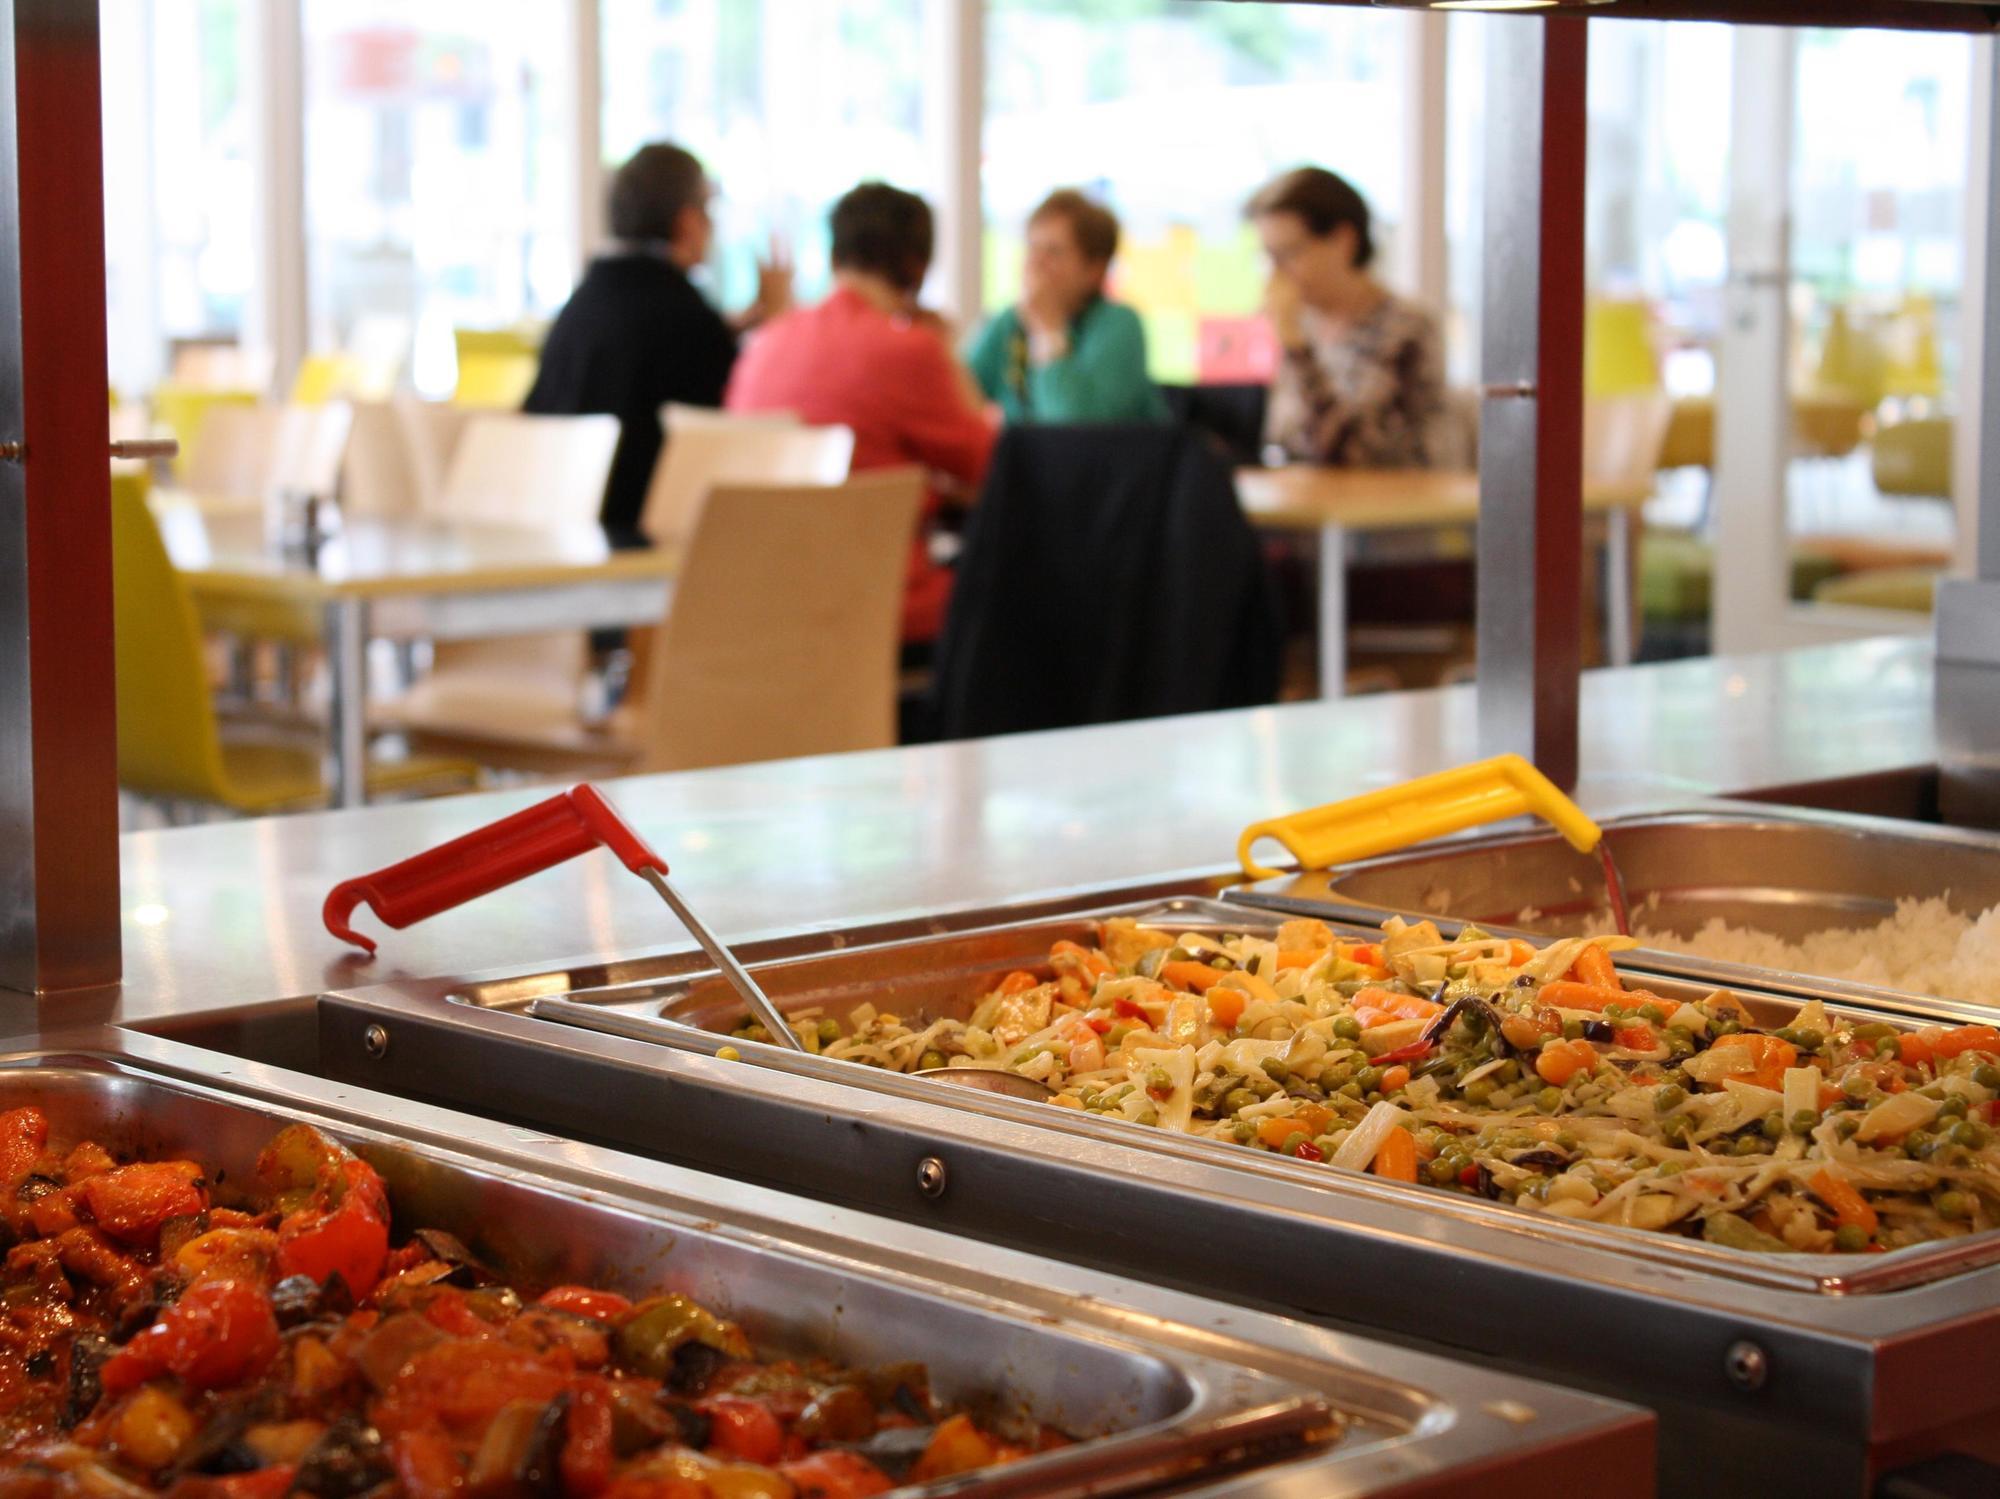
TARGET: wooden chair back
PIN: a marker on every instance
(783, 635)
(515, 469)
(712, 450)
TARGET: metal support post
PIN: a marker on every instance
(58, 715)
(1968, 610)
(1530, 606)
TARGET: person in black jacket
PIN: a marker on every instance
(636, 333)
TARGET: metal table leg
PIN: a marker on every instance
(1332, 611)
(1618, 586)
(347, 709)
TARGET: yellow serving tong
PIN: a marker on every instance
(1379, 822)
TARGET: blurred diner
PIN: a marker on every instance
(1360, 380)
(872, 358)
(1066, 352)
(637, 333)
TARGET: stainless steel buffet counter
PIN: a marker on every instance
(224, 949)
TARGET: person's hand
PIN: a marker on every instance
(774, 283)
(1285, 310)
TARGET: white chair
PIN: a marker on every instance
(514, 469)
(245, 452)
(784, 633)
(707, 450)
(526, 471)
(397, 455)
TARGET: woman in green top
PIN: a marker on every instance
(1066, 354)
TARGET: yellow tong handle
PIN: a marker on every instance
(1380, 822)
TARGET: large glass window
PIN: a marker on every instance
(436, 187)
(1175, 114)
(787, 102)
(178, 206)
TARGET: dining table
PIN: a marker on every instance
(353, 579)
(1340, 505)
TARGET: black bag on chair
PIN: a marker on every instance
(1108, 573)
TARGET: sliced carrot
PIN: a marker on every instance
(1396, 1157)
(1066, 953)
(1919, 1048)
(1225, 1005)
(1594, 966)
(1964, 1038)
(1315, 1117)
(1519, 952)
(1396, 1077)
(1571, 994)
(1275, 1132)
(1771, 1055)
(1848, 1205)
(1190, 975)
(1365, 953)
(1403, 1006)
(1559, 1063)
(1020, 981)
(1297, 959)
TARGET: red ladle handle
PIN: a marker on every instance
(533, 839)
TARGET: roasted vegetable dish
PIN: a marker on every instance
(1486, 1066)
(162, 1331)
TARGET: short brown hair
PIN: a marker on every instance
(1091, 224)
(649, 193)
(883, 230)
(1323, 201)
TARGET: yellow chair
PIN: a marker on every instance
(1909, 590)
(496, 366)
(1852, 361)
(1911, 367)
(1618, 354)
(182, 409)
(169, 743)
(322, 378)
(1914, 458)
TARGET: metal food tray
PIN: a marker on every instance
(1160, 1405)
(1792, 873)
(1861, 1351)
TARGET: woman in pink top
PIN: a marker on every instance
(869, 358)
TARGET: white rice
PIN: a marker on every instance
(1925, 947)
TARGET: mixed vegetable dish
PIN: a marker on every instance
(1487, 1066)
(154, 1339)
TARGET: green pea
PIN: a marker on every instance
(1972, 1136)
(1351, 1090)
(1846, 1126)
(1220, 963)
(1670, 1168)
(1855, 1086)
(1276, 1070)
(1724, 1027)
(1244, 1131)
(1566, 1141)
(1572, 1030)
(1918, 1144)
(1809, 1039)
(1953, 1205)
(1614, 1012)
(1549, 1100)
(1347, 1028)
(1805, 1121)
(1441, 1172)
(1875, 1030)
(1507, 1072)
(1751, 1145)
(1668, 1097)
(1987, 1076)
(930, 1060)
(1653, 1013)
(1479, 1092)
(1850, 1238)
(1159, 1080)
(1952, 1108)
(1788, 1033)
(1370, 1078)
(1773, 1126)
(1238, 1099)
(829, 1030)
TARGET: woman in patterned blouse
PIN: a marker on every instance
(1360, 381)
